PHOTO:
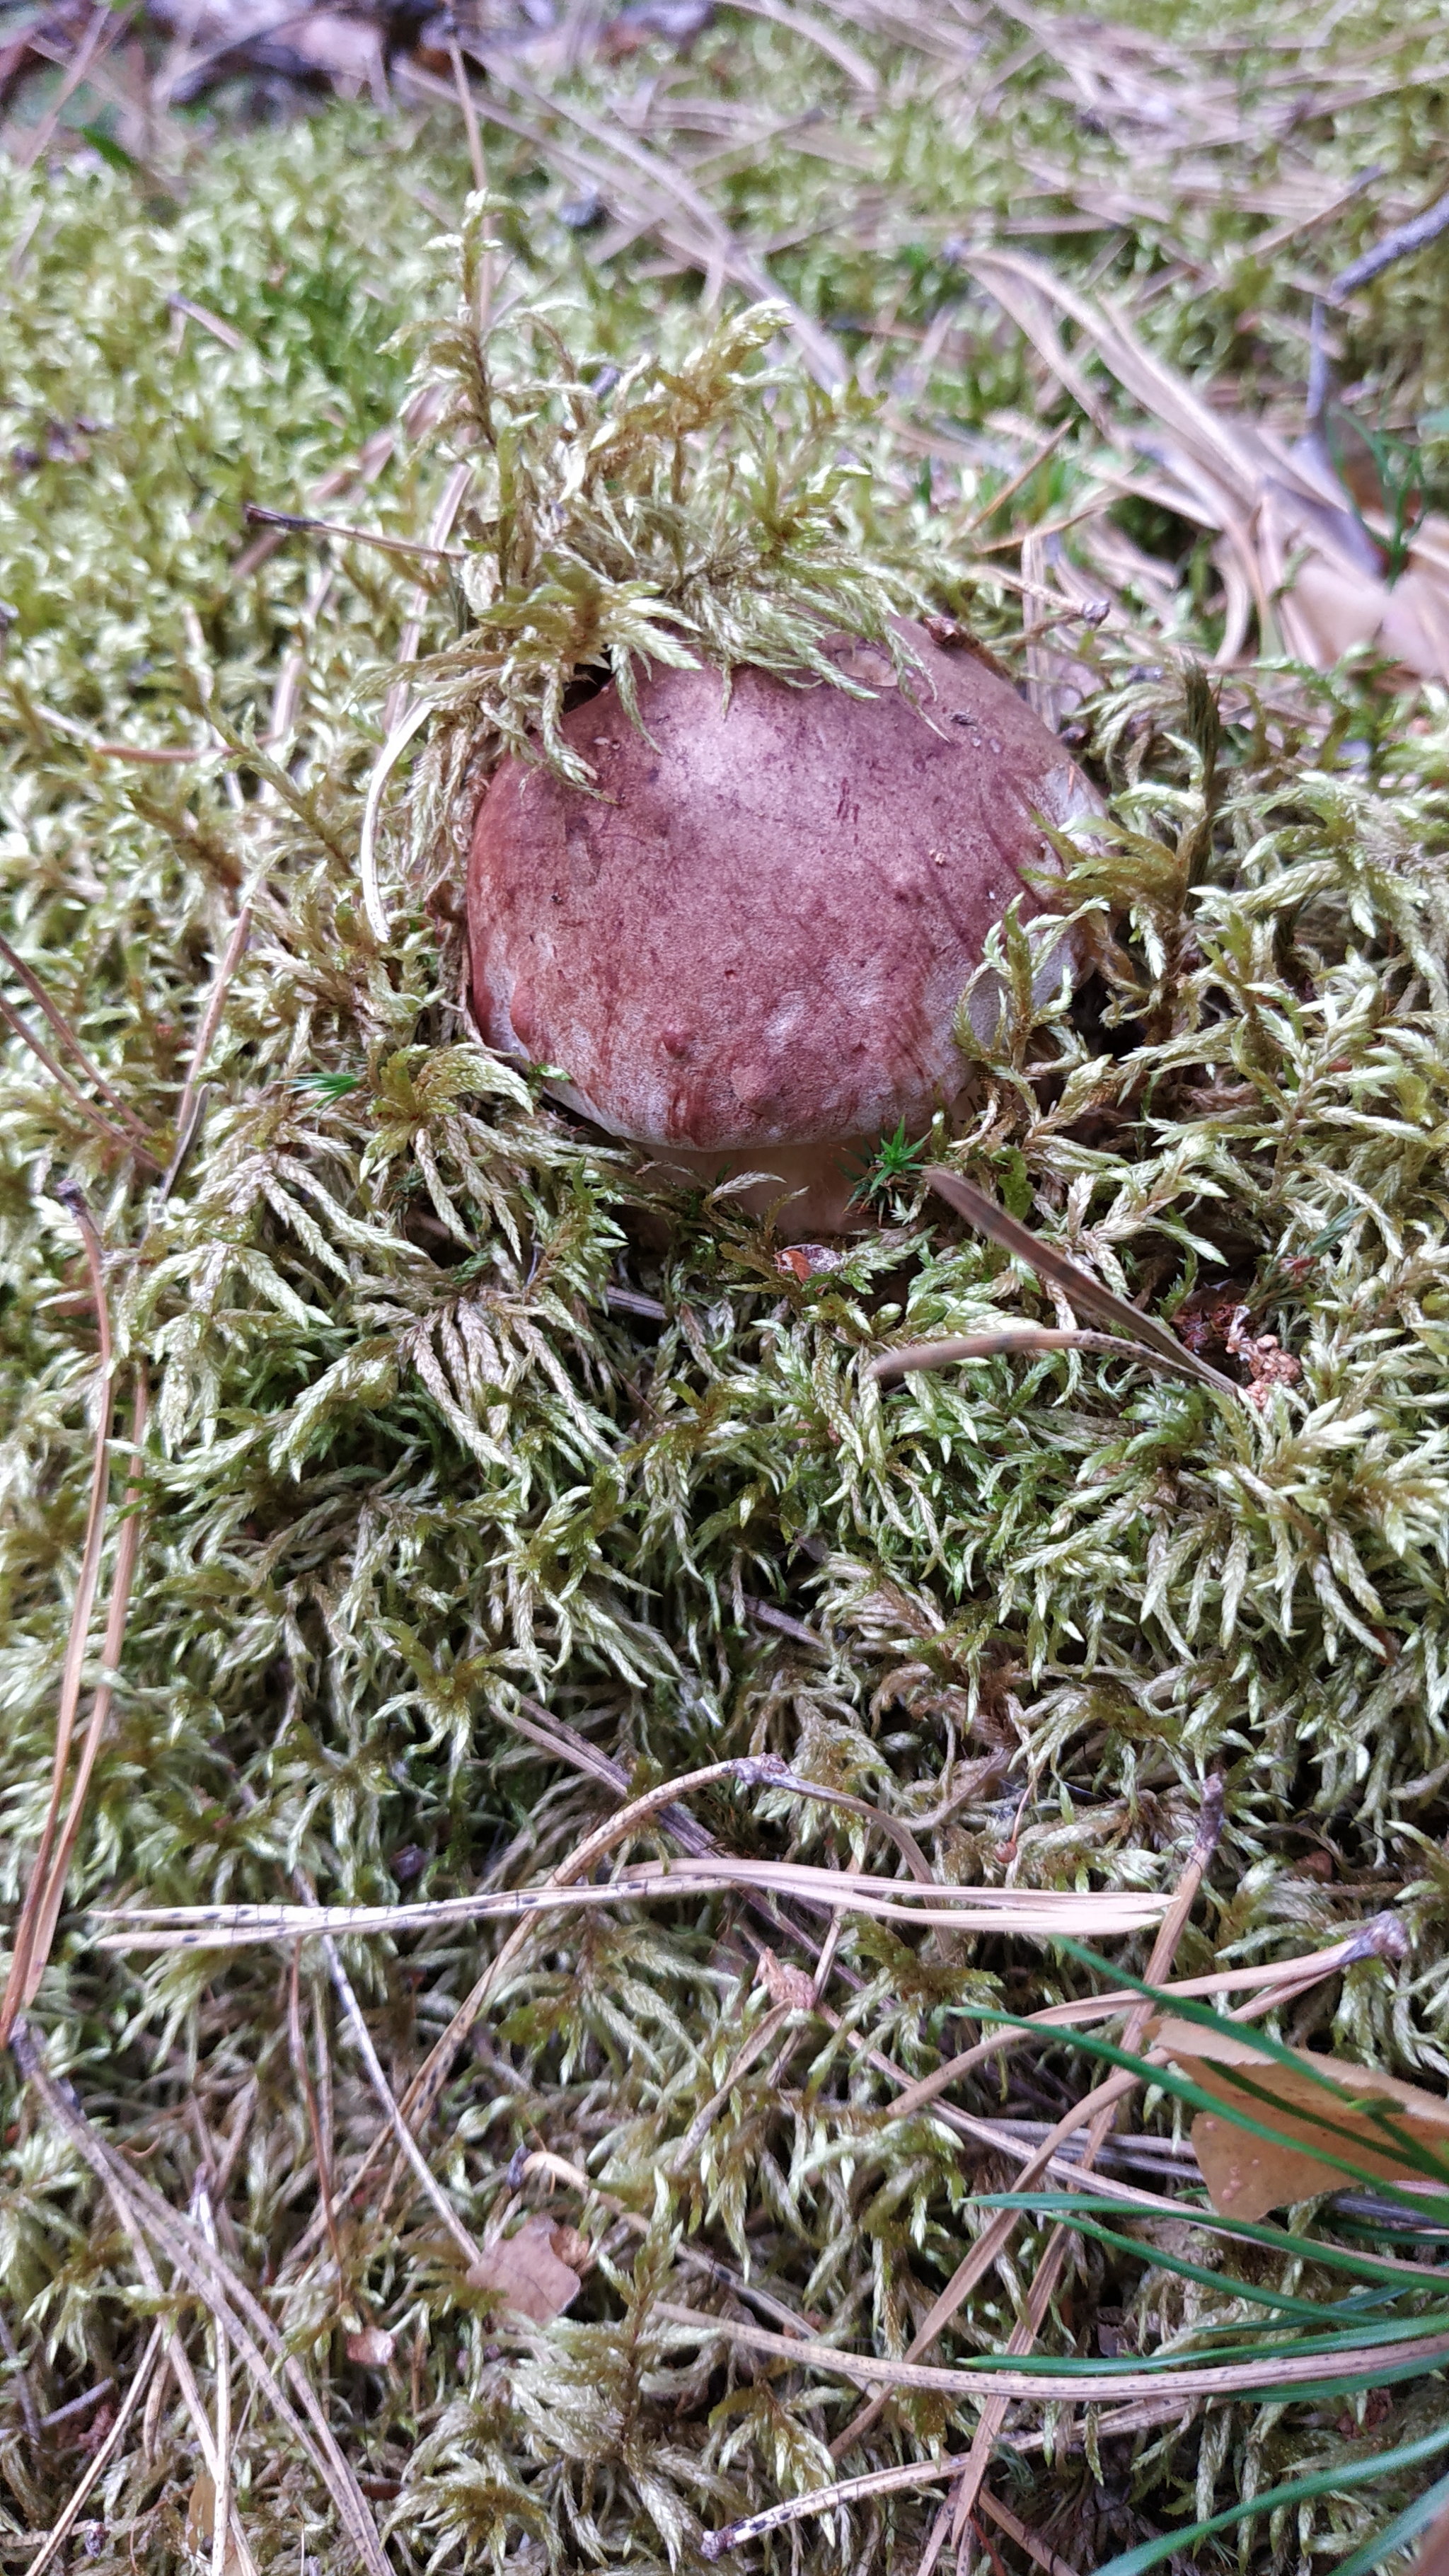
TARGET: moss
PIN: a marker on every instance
(417, 1464)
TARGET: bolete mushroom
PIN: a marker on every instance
(747, 951)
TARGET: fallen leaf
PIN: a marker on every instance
(802, 1260)
(372, 2346)
(573, 2249)
(527, 2272)
(784, 1984)
(201, 2514)
(1247, 2175)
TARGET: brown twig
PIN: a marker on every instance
(1010, 1341)
(189, 1107)
(56, 2537)
(66, 1033)
(114, 1135)
(126, 1555)
(1077, 1285)
(142, 2211)
(1395, 245)
(27, 1959)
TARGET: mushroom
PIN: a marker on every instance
(747, 950)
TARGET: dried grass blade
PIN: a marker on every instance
(1015, 1340)
(221, 2504)
(66, 2115)
(56, 2537)
(1037, 1914)
(408, 2146)
(1076, 1284)
(94, 1117)
(141, 2209)
(297, 523)
(188, 1108)
(891, 1826)
(1383, 1937)
(1229, 2379)
(62, 1027)
(28, 1957)
(126, 1555)
(298, 2052)
(391, 753)
(847, 2491)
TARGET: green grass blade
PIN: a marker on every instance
(1278, 2240)
(1406, 2526)
(1167, 2079)
(1358, 2473)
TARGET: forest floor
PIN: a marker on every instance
(404, 1492)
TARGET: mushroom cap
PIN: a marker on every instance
(757, 934)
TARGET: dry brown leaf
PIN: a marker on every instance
(372, 2346)
(1247, 2175)
(201, 2524)
(1292, 545)
(784, 1984)
(527, 2272)
(201, 2513)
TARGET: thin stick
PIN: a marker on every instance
(846, 2491)
(464, 89)
(1395, 245)
(221, 2500)
(1233, 2379)
(407, 2143)
(27, 1960)
(298, 523)
(88, 1110)
(187, 1106)
(56, 2537)
(1076, 1284)
(100, 35)
(314, 2117)
(64, 1031)
(754, 2047)
(115, 1637)
(1011, 1341)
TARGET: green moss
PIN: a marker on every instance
(409, 1467)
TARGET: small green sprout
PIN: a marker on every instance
(894, 1163)
(329, 1086)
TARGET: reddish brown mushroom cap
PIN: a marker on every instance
(757, 937)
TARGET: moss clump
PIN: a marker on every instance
(423, 1456)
